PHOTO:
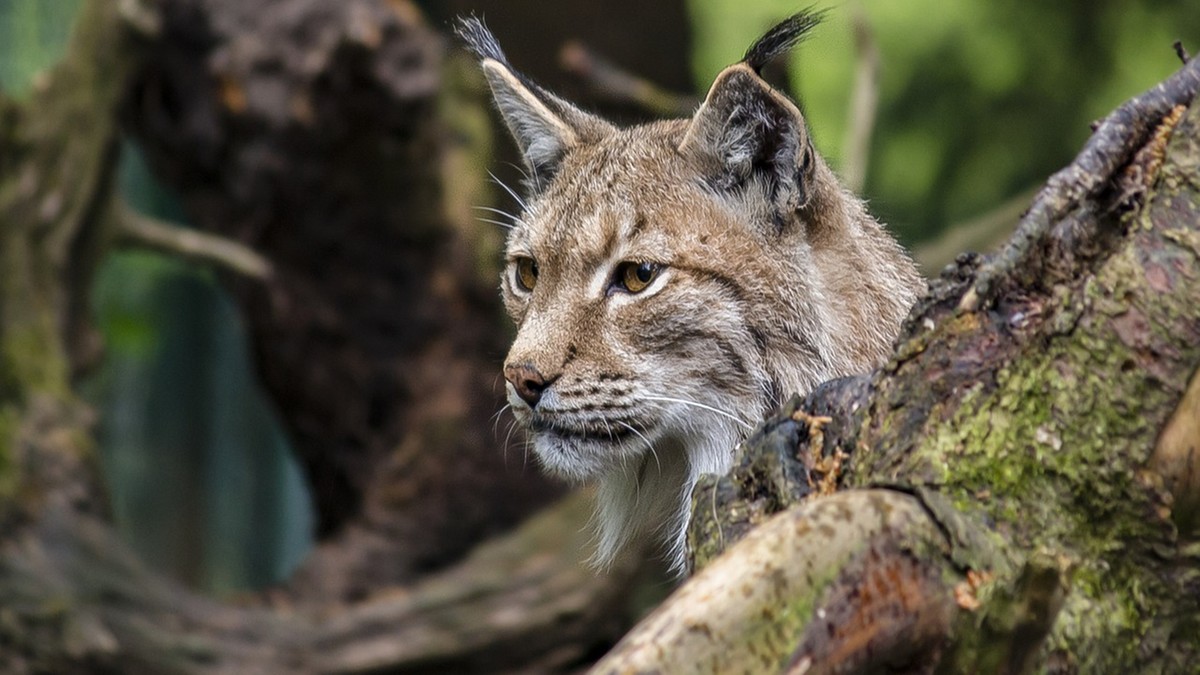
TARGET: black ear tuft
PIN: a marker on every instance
(544, 126)
(478, 39)
(751, 139)
(780, 39)
(483, 46)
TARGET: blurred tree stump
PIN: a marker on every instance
(328, 138)
(331, 153)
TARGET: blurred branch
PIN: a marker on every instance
(1182, 52)
(618, 85)
(138, 229)
(981, 233)
(864, 103)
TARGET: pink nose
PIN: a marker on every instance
(528, 382)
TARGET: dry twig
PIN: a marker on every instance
(618, 85)
(141, 230)
(864, 104)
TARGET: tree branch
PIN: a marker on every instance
(864, 103)
(848, 561)
(138, 229)
(612, 82)
(1111, 146)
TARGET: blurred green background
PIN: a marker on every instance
(978, 103)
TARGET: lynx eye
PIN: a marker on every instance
(636, 276)
(527, 273)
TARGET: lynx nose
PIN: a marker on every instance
(528, 381)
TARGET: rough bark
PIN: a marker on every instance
(1027, 458)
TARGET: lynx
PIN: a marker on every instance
(672, 281)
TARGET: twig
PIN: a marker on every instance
(864, 103)
(139, 229)
(1182, 52)
(621, 86)
(1111, 146)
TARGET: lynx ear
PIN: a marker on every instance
(746, 133)
(544, 126)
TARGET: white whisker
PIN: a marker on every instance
(501, 223)
(512, 425)
(521, 169)
(510, 191)
(746, 425)
(515, 220)
(649, 445)
(496, 419)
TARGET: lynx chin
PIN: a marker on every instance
(672, 281)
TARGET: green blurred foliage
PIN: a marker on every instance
(202, 479)
(32, 35)
(979, 100)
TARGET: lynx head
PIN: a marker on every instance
(672, 281)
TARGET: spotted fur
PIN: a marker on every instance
(772, 278)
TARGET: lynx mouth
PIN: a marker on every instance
(610, 433)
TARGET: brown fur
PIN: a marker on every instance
(772, 279)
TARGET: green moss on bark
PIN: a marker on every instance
(1055, 447)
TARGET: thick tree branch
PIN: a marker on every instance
(871, 566)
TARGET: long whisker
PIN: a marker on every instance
(521, 169)
(649, 445)
(496, 419)
(515, 220)
(501, 223)
(718, 411)
(512, 425)
(510, 191)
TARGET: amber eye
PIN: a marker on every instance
(527, 273)
(635, 277)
